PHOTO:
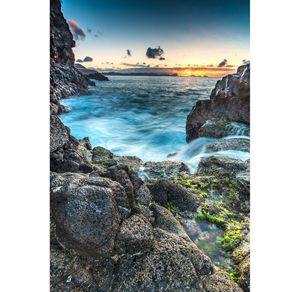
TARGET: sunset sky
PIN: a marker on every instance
(196, 37)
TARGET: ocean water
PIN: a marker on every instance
(140, 116)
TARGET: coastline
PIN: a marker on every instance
(136, 228)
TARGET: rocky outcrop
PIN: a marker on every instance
(65, 79)
(90, 73)
(107, 233)
(229, 100)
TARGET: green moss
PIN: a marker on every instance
(234, 276)
(203, 195)
(205, 216)
(232, 236)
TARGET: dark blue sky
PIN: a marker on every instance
(190, 31)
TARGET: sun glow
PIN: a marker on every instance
(210, 72)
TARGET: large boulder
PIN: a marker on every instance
(85, 212)
(229, 100)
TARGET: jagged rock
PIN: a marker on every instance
(65, 80)
(135, 235)
(65, 152)
(90, 73)
(228, 144)
(132, 162)
(165, 169)
(168, 193)
(85, 212)
(85, 142)
(101, 155)
(229, 100)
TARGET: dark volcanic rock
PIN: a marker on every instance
(165, 169)
(222, 128)
(167, 193)
(65, 80)
(228, 144)
(174, 264)
(90, 73)
(230, 100)
(135, 235)
(66, 154)
(222, 165)
(85, 212)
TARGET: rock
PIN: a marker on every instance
(65, 152)
(85, 212)
(165, 220)
(169, 194)
(85, 142)
(135, 235)
(236, 144)
(229, 100)
(222, 165)
(174, 264)
(65, 80)
(219, 128)
(90, 73)
(132, 162)
(100, 155)
(220, 282)
(165, 169)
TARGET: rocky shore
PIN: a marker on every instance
(117, 223)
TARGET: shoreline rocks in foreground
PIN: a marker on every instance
(108, 233)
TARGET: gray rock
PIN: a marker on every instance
(165, 169)
(237, 144)
(174, 264)
(222, 165)
(229, 100)
(167, 193)
(135, 235)
(85, 212)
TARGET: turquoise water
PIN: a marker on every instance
(140, 116)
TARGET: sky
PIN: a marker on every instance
(190, 37)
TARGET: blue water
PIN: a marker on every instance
(143, 117)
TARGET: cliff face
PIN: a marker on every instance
(65, 79)
(229, 100)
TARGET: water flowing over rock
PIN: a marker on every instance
(229, 100)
